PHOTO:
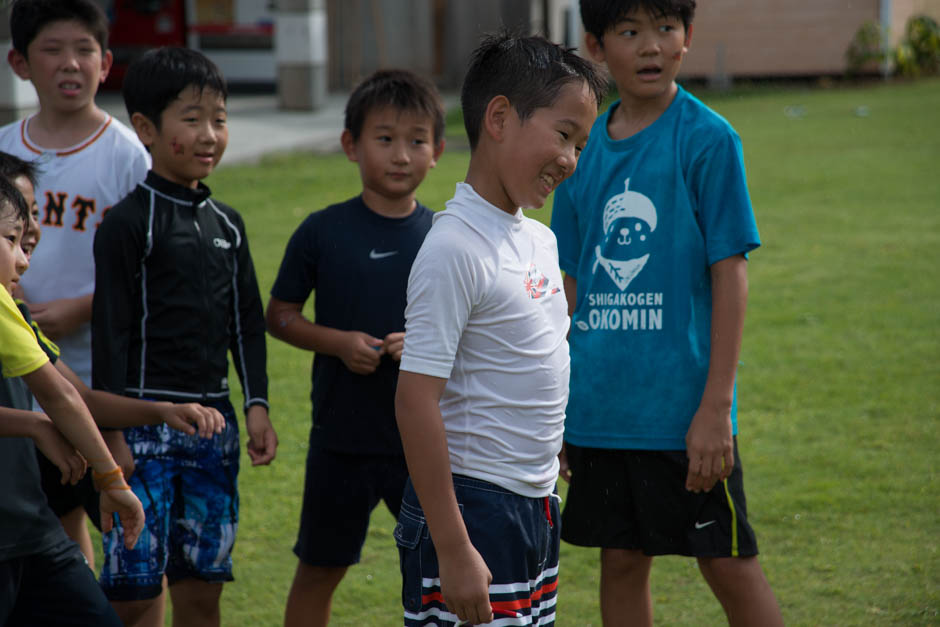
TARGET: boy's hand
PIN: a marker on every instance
(361, 352)
(120, 451)
(564, 470)
(465, 584)
(192, 418)
(59, 451)
(262, 439)
(710, 447)
(61, 317)
(118, 498)
(393, 344)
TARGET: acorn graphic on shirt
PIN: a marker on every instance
(629, 220)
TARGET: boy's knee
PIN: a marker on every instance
(625, 564)
(730, 569)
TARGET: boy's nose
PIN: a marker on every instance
(22, 263)
(400, 153)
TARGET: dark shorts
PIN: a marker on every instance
(189, 489)
(340, 492)
(54, 587)
(517, 537)
(65, 498)
(636, 500)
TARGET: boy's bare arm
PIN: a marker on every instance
(19, 423)
(709, 442)
(359, 351)
(465, 577)
(113, 410)
(64, 406)
(571, 295)
(58, 318)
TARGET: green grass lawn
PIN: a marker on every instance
(839, 384)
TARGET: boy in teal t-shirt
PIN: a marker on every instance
(653, 233)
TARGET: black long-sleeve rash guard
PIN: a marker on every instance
(175, 291)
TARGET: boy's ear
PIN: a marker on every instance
(688, 39)
(19, 63)
(496, 116)
(438, 151)
(594, 47)
(145, 128)
(106, 60)
(349, 145)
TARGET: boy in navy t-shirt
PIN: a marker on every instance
(356, 255)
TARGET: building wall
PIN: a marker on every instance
(794, 38)
(769, 37)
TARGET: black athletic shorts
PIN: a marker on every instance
(340, 492)
(65, 498)
(53, 588)
(636, 500)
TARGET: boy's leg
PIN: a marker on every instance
(516, 536)
(625, 588)
(133, 580)
(340, 492)
(311, 595)
(196, 603)
(599, 512)
(204, 521)
(56, 587)
(743, 590)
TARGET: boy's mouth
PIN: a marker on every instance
(650, 71)
(70, 86)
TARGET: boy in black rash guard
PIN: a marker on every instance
(175, 292)
(357, 256)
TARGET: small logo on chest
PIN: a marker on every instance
(536, 283)
(224, 244)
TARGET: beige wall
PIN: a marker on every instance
(770, 37)
(791, 38)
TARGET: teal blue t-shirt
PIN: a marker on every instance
(639, 224)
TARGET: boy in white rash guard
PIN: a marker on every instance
(483, 380)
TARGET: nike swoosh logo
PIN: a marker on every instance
(375, 255)
(699, 525)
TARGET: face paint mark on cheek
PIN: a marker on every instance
(677, 56)
(177, 147)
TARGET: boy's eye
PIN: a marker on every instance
(667, 28)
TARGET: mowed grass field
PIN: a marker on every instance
(839, 383)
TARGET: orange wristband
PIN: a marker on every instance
(107, 480)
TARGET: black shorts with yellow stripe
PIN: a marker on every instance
(636, 500)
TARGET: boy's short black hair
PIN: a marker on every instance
(401, 89)
(12, 167)
(599, 16)
(12, 201)
(157, 77)
(529, 71)
(28, 17)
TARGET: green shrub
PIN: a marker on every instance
(866, 51)
(919, 53)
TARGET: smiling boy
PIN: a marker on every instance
(394, 133)
(653, 234)
(175, 293)
(484, 373)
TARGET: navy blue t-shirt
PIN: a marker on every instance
(358, 263)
